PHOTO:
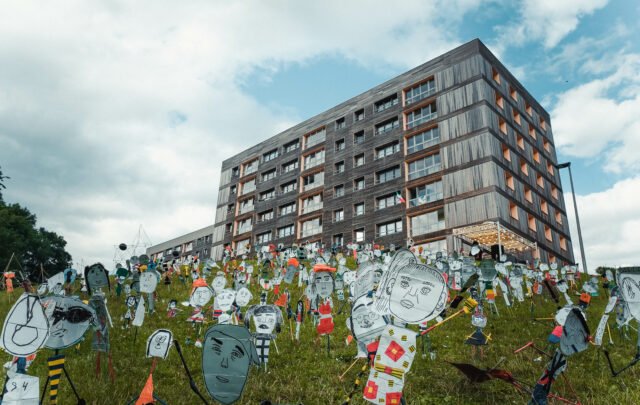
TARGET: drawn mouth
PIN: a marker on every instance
(407, 304)
(222, 379)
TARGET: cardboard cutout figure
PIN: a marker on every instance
(22, 389)
(243, 296)
(56, 284)
(411, 292)
(69, 319)
(227, 353)
(365, 324)
(149, 281)
(222, 305)
(96, 277)
(266, 319)
(26, 328)
(159, 343)
(575, 333)
(219, 282)
(200, 296)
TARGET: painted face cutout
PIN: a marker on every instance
(265, 320)
(349, 277)
(200, 297)
(628, 280)
(218, 283)
(159, 343)
(228, 351)
(243, 296)
(69, 319)
(26, 327)
(96, 276)
(575, 334)
(365, 324)
(224, 299)
(56, 283)
(148, 282)
(323, 283)
(411, 292)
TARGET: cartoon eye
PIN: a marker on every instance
(404, 284)
(424, 290)
(236, 355)
(217, 349)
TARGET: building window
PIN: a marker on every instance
(499, 101)
(265, 216)
(540, 181)
(315, 138)
(427, 223)
(550, 169)
(544, 207)
(502, 124)
(338, 191)
(520, 141)
(513, 93)
(312, 181)
(271, 174)
(340, 145)
(387, 175)
(358, 235)
(314, 159)
(543, 124)
(339, 167)
(387, 126)
(388, 149)
(337, 240)
(554, 192)
(419, 92)
(285, 231)
(547, 146)
(358, 115)
(495, 74)
(290, 166)
(506, 153)
(287, 209)
(425, 193)
(341, 123)
(524, 168)
(563, 243)
(389, 228)
(249, 186)
(421, 115)
(532, 133)
(532, 222)
(536, 156)
(513, 210)
(425, 166)
(358, 160)
(516, 117)
(558, 217)
(358, 209)
(547, 233)
(358, 184)
(227, 228)
(385, 103)
(272, 154)
(311, 227)
(267, 195)
(528, 195)
(423, 140)
(288, 187)
(528, 109)
(358, 138)
(251, 167)
(246, 206)
(263, 237)
(291, 146)
(244, 226)
(235, 171)
(508, 180)
(387, 201)
(338, 215)
(311, 204)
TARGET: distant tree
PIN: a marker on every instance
(31, 246)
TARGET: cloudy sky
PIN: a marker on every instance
(115, 113)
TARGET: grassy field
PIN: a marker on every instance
(305, 373)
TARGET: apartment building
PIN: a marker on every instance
(455, 142)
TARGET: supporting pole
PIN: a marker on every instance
(499, 243)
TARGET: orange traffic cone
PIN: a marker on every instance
(146, 396)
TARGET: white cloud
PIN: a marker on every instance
(547, 20)
(600, 118)
(115, 114)
(610, 221)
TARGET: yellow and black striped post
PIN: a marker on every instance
(56, 365)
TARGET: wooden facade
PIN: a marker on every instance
(489, 126)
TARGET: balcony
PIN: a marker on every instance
(244, 228)
(310, 231)
(424, 199)
(312, 207)
(246, 208)
(309, 163)
(312, 186)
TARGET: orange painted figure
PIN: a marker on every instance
(9, 276)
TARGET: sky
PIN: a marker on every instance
(116, 114)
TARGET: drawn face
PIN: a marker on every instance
(366, 325)
(349, 277)
(225, 299)
(225, 367)
(148, 282)
(218, 283)
(416, 293)
(265, 321)
(200, 297)
(243, 296)
(159, 343)
(69, 319)
(25, 328)
(323, 282)
(629, 284)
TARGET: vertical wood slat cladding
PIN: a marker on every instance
(470, 147)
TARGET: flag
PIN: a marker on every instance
(399, 198)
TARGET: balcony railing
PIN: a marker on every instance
(423, 199)
(246, 208)
(312, 207)
(311, 231)
(243, 229)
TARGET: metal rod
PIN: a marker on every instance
(575, 208)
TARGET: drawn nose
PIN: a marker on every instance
(225, 363)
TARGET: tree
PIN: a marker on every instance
(32, 246)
